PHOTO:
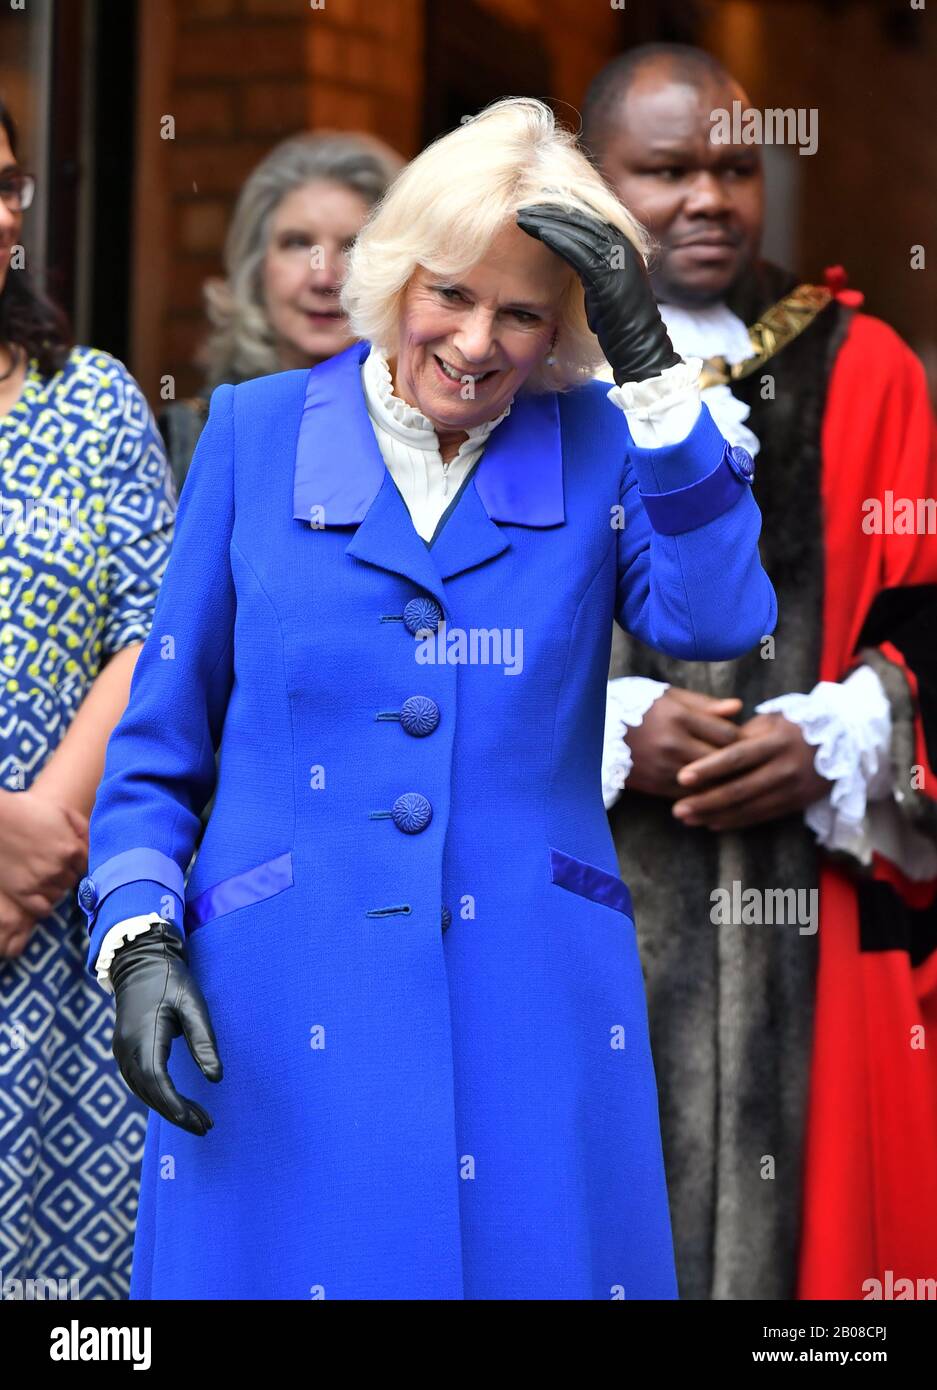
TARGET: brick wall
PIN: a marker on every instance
(238, 77)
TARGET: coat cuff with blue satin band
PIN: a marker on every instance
(128, 884)
(689, 484)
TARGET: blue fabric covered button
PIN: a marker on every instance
(411, 813)
(741, 463)
(421, 615)
(419, 715)
(446, 918)
(87, 894)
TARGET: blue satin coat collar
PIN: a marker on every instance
(519, 478)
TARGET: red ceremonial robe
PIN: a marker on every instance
(870, 1177)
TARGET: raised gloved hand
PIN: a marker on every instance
(157, 999)
(620, 304)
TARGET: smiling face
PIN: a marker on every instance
(703, 202)
(466, 346)
(11, 223)
(311, 231)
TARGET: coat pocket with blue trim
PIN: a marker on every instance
(240, 890)
(589, 881)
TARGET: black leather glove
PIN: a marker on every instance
(620, 304)
(157, 999)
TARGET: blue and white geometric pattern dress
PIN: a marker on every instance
(88, 506)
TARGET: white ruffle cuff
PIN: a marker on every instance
(714, 331)
(120, 932)
(627, 701)
(849, 724)
(663, 409)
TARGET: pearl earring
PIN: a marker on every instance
(551, 355)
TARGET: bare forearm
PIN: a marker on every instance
(72, 774)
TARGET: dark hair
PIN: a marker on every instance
(611, 84)
(27, 317)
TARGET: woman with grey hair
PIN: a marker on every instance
(278, 305)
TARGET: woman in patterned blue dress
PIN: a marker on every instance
(87, 506)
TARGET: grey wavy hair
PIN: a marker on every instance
(242, 343)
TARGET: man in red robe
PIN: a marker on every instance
(796, 1069)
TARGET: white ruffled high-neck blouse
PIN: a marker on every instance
(661, 410)
(410, 447)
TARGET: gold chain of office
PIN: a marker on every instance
(777, 326)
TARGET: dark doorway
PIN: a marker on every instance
(473, 58)
(112, 124)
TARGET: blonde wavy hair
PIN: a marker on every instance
(445, 207)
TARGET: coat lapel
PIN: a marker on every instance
(387, 537)
(340, 479)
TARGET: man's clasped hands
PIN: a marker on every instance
(722, 775)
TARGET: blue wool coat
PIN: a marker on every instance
(406, 914)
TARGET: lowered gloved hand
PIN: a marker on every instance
(620, 304)
(157, 999)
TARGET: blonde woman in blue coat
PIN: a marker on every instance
(389, 605)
